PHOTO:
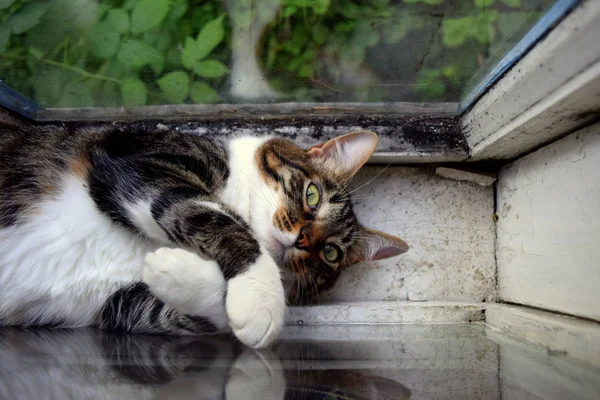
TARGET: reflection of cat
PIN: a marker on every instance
(89, 364)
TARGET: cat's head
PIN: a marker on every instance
(313, 231)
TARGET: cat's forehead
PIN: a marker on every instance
(337, 219)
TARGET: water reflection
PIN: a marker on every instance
(88, 364)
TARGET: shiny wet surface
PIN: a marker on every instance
(321, 362)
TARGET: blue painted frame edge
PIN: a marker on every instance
(560, 9)
(15, 101)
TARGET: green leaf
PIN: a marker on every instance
(158, 65)
(512, 3)
(36, 53)
(484, 3)
(320, 6)
(104, 93)
(136, 54)
(456, 30)
(201, 93)
(118, 19)
(173, 57)
(432, 2)
(210, 69)
(4, 36)
(5, 4)
(27, 17)
(164, 42)
(75, 94)
(147, 14)
(178, 9)
(104, 40)
(320, 34)
(70, 19)
(483, 26)
(175, 86)
(209, 37)
(430, 85)
(350, 10)
(129, 4)
(452, 73)
(48, 84)
(289, 11)
(188, 54)
(133, 92)
(306, 70)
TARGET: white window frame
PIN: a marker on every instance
(553, 91)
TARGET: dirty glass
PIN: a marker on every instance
(108, 53)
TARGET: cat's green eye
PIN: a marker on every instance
(331, 252)
(313, 197)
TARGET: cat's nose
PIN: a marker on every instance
(303, 241)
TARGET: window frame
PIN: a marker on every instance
(525, 102)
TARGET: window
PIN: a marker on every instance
(112, 53)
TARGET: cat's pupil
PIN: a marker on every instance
(312, 195)
(331, 253)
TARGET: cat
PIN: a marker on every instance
(90, 364)
(174, 233)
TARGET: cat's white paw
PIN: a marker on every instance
(256, 375)
(188, 283)
(256, 303)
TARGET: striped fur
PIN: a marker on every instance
(164, 232)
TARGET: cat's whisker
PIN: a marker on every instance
(314, 284)
(362, 197)
(370, 180)
(265, 198)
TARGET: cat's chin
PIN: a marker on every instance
(277, 244)
(277, 252)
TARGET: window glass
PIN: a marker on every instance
(109, 53)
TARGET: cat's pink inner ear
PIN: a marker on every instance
(348, 152)
(377, 245)
(387, 252)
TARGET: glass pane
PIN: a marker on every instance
(86, 53)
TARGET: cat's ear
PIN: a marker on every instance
(375, 245)
(347, 153)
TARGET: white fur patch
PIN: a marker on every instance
(64, 263)
(141, 215)
(256, 303)
(248, 194)
(187, 283)
(210, 204)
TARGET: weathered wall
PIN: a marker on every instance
(449, 226)
(549, 227)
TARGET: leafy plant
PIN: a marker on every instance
(126, 53)
(143, 52)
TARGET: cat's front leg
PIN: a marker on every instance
(256, 303)
(255, 300)
(188, 283)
